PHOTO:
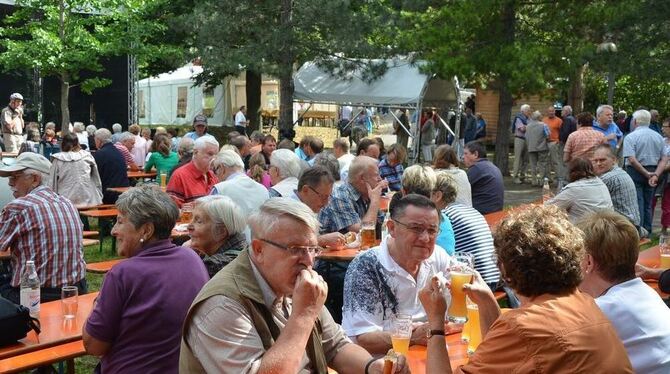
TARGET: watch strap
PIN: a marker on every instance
(432, 333)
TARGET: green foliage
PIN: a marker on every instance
(629, 93)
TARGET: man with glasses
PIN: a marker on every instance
(195, 179)
(264, 311)
(314, 188)
(384, 282)
(41, 226)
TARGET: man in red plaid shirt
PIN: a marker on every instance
(42, 226)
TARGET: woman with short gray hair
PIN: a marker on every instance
(135, 326)
(217, 231)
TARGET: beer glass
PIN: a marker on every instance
(401, 333)
(460, 272)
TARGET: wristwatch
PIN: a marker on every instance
(431, 333)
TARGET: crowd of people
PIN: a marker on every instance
(248, 293)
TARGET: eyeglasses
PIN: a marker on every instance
(322, 196)
(418, 230)
(296, 250)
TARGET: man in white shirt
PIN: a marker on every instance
(344, 158)
(241, 121)
(385, 281)
(248, 194)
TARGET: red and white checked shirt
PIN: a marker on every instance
(583, 142)
(44, 227)
(125, 152)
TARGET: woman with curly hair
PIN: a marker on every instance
(557, 329)
(585, 193)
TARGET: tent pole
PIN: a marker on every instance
(446, 126)
(400, 123)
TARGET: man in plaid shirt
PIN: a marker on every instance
(42, 226)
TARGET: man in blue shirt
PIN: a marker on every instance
(605, 123)
(111, 166)
(485, 179)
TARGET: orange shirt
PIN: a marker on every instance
(554, 125)
(565, 334)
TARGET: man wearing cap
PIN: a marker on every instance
(199, 127)
(42, 226)
(241, 122)
(12, 123)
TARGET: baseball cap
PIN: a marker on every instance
(16, 96)
(27, 160)
(200, 120)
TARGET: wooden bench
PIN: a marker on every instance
(91, 234)
(102, 267)
(86, 242)
(101, 206)
(63, 352)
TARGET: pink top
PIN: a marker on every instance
(265, 179)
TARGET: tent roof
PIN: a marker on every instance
(184, 73)
(402, 85)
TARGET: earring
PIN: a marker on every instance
(141, 240)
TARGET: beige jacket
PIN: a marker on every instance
(75, 176)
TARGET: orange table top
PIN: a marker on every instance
(100, 213)
(339, 255)
(416, 357)
(124, 189)
(102, 267)
(5, 255)
(141, 174)
(55, 329)
(652, 258)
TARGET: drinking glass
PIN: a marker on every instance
(367, 235)
(186, 213)
(475, 332)
(664, 249)
(162, 177)
(69, 301)
(460, 272)
(401, 333)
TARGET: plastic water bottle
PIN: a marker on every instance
(385, 229)
(30, 289)
(546, 191)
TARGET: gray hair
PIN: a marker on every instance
(44, 177)
(50, 125)
(287, 162)
(117, 128)
(127, 135)
(103, 135)
(203, 141)
(263, 220)
(536, 115)
(79, 127)
(90, 129)
(229, 147)
(601, 109)
(185, 146)
(329, 161)
(524, 108)
(360, 165)
(148, 204)
(223, 212)
(229, 159)
(642, 117)
(568, 109)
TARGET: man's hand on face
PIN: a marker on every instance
(309, 293)
(375, 193)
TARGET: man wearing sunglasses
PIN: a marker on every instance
(264, 311)
(384, 282)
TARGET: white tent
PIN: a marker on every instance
(402, 86)
(172, 99)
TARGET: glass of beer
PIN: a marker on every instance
(186, 213)
(460, 272)
(473, 324)
(401, 333)
(367, 235)
(664, 249)
(69, 301)
(163, 177)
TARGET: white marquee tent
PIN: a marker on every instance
(402, 86)
(172, 99)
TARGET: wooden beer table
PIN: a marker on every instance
(55, 329)
(141, 174)
(339, 255)
(124, 189)
(417, 355)
(652, 258)
(101, 214)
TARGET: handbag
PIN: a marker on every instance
(15, 322)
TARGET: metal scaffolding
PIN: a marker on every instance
(132, 90)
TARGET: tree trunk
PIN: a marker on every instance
(504, 125)
(286, 86)
(576, 94)
(64, 104)
(506, 100)
(253, 86)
